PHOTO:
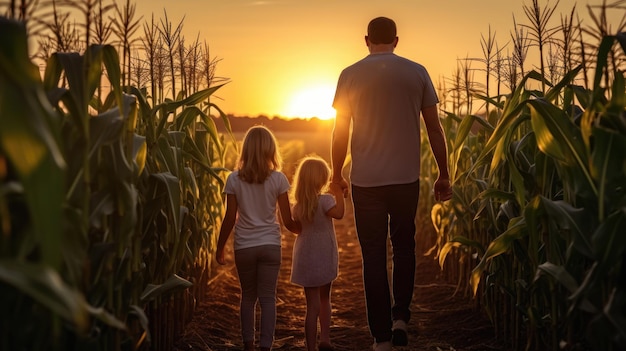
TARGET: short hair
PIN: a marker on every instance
(381, 30)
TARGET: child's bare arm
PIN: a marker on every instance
(285, 214)
(338, 210)
(227, 227)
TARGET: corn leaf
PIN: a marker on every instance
(456, 242)
(173, 284)
(193, 99)
(140, 153)
(607, 160)
(28, 140)
(107, 318)
(46, 287)
(609, 241)
(559, 273)
(500, 245)
(558, 138)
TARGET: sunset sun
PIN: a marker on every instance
(312, 102)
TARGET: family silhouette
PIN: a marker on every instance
(379, 101)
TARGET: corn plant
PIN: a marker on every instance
(108, 207)
(541, 203)
(45, 238)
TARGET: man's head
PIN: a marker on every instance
(381, 30)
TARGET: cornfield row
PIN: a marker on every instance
(110, 195)
(535, 229)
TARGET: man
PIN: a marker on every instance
(382, 95)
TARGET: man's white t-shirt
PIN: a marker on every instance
(384, 93)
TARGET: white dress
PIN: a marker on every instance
(315, 255)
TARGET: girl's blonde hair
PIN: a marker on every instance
(259, 155)
(311, 179)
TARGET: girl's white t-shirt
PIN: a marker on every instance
(257, 223)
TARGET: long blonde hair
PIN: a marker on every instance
(311, 179)
(259, 155)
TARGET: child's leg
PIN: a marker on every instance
(267, 270)
(325, 313)
(310, 321)
(245, 261)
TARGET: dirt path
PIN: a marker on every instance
(441, 322)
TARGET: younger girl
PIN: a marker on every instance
(315, 256)
(252, 192)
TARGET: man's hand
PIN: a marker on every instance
(343, 184)
(219, 256)
(442, 189)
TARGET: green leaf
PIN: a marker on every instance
(45, 286)
(102, 205)
(512, 117)
(143, 320)
(105, 317)
(546, 141)
(140, 153)
(463, 131)
(193, 99)
(28, 138)
(500, 245)
(614, 311)
(604, 49)
(516, 179)
(559, 138)
(224, 118)
(173, 284)
(607, 162)
(111, 61)
(192, 185)
(569, 77)
(609, 240)
(105, 128)
(172, 187)
(576, 222)
(14, 58)
(456, 242)
(187, 117)
(73, 64)
(559, 273)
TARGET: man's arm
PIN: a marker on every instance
(437, 139)
(339, 148)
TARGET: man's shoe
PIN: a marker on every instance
(399, 336)
(382, 346)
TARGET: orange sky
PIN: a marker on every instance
(277, 52)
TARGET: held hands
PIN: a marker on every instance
(442, 189)
(337, 190)
(341, 185)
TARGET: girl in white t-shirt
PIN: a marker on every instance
(252, 192)
(315, 255)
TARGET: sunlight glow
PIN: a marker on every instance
(312, 102)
